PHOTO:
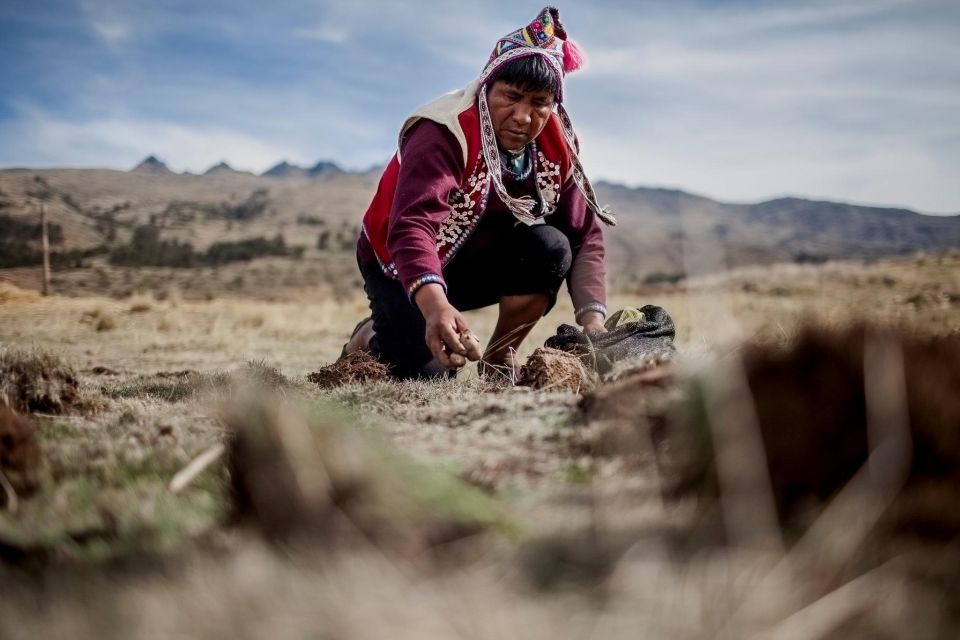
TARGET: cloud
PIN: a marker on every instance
(111, 142)
(110, 23)
(112, 33)
(846, 101)
(322, 33)
(744, 165)
(733, 21)
(738, 99)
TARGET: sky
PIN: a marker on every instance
(739, 100)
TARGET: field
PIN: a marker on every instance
(483, 510)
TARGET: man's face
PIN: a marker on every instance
(518, 116)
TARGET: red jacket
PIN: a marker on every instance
(431, 204)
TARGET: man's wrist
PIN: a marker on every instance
(591, 319)
(425, 279)
(593, 309)
(430, 297)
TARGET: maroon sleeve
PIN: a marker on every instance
(430, 167)
(586, 278)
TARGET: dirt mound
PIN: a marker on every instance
(19, 457)
(359, 366)
(281, 480)
(628, 396)
(626, 416)
(12, 294)
(33, 380)
(298, 478)
(553, 369)
(820, 417)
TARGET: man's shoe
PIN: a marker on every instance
(356, 330)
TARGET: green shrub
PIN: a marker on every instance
(19, 230)
(146, 248)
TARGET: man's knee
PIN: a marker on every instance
(547, 248)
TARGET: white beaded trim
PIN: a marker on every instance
(593, 306)
(425, 279)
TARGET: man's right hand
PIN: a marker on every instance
(444, 325)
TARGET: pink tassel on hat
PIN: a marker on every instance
(573, 57)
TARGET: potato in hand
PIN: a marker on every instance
(471, 343)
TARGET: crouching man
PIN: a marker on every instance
(484, 203)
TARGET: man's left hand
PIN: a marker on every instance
(593, 323)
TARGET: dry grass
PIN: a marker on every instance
(36, 380)
(328, 275)
(11, 293)
(587, 493)
(141, 304)
(178, 335)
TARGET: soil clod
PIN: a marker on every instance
(553, 369)
(359, 366)
(818, 422)
(19, 456)
(299, 478)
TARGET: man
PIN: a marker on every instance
(484, 203)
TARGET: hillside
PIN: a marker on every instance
(656, 224)
(96, 207)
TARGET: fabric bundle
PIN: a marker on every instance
(643, 333)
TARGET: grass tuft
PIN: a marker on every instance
(259, 372)
(32, 380)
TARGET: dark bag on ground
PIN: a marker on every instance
(646, 333)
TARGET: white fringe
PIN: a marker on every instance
(521, 207)
(578, 174)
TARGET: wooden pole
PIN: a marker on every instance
(46, 249)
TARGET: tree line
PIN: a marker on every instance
(147, 249)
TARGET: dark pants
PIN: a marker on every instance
(530, 260)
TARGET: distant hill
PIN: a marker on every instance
(223, 168)
(152, 164)
(658, 231)
(324, 168)
(285, 170)
(657, 226)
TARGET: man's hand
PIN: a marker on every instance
(593, 322)
(444, 326)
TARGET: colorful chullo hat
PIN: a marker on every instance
(545, 36)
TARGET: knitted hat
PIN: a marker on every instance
(544, 36)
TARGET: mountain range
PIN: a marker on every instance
(660, 232)
(283, 169)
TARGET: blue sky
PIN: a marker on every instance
(740, 100)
